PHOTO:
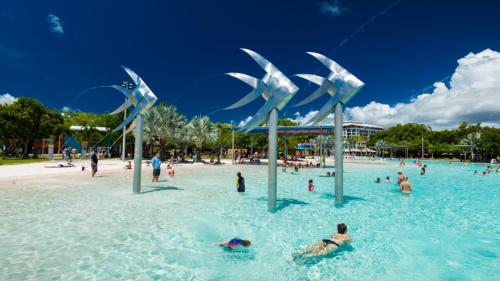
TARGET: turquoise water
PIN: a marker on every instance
(81, 229)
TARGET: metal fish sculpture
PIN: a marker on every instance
(274, 87)
(340, 84)
(141, 97)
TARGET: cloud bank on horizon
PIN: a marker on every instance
(473, 96)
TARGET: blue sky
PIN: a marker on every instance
(53, 50)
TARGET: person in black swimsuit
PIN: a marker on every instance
(240, 183)
(325, 246)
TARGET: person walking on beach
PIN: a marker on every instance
(93, 162)
(240, 183)
(156, 163)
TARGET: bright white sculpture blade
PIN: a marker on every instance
(274, 87)
(340, 84)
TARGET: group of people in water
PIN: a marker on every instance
(488, 170)
(402, 180)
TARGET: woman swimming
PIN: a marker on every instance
(325, 246)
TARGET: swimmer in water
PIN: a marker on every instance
(328, 174)
(325, 246)
(401, 177)
(387, 179)
(476, 173)
(378, 180)
(405, 186)
(284, 165)
(310, 187)
(240, 182)
(235, 243)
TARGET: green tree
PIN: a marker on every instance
(201, 131)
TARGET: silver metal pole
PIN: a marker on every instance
(124, 132)
(232, 143)
(272, 166)
(339, 154)
(138, 154)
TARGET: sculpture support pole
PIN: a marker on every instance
(272, 168)
(339, 154)
(138, 153)
(124, 134)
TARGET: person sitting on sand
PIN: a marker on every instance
(128, 166)
(387, 179)
(401, 177)
(235, 243)
(405, 186)
(326, 246)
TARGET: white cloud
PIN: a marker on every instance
(473, 96)
(332, 8)
(55, 24)
(7, 99)
(244, 122)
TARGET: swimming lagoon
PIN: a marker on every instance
(75, 228)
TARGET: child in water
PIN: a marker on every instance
(234, 243)
(387, 179)
(310, 186)
(170, 170)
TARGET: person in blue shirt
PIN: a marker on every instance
(156, 163)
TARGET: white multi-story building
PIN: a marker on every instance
(354, 128)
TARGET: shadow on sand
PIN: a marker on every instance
(159, 188)
(282, 203)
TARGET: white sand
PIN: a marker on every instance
(106, 167)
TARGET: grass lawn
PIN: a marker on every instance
(14, 161)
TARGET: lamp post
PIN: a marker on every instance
(128, 86)
(232, 143)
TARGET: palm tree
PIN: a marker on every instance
(200, 130)
(471, 141)
(164, 122)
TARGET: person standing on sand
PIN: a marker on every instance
(93, 163)
(156, 163)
